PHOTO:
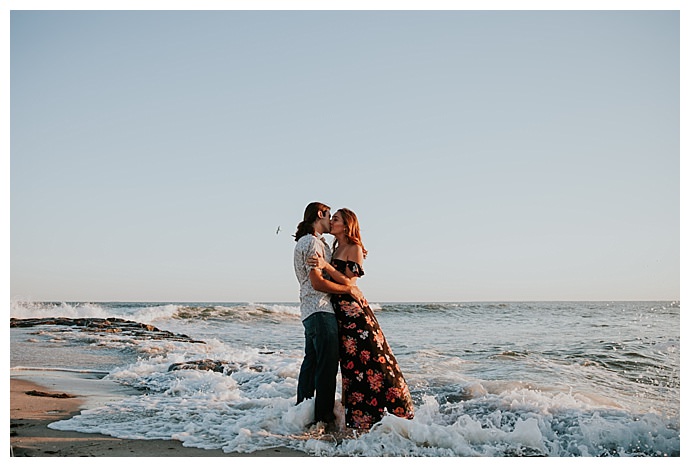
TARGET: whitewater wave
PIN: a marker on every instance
(249, 410)
(147, 313)
(29, 309)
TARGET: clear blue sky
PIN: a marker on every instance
(490, 155)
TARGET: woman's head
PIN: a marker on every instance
(350, 227)
(314, 213)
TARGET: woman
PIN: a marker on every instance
(371, 378)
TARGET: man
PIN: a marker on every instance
(321, 352)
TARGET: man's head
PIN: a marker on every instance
(316, 220)
(318, 215)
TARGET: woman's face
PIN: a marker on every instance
(337, 224)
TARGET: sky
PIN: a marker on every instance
(495, 155)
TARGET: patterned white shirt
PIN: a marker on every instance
(311, 300)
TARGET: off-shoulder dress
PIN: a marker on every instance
(371, 378)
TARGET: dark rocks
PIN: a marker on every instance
(218, 366)
(109, 325)
(61, 395)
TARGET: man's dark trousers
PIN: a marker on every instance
(320, 366)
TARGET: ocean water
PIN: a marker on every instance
(563, 379)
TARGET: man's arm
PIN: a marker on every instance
(324, 285)
(318, 262)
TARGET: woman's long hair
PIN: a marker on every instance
(311, 215)
(351, 229)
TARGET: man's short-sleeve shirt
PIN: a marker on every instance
(311, 300)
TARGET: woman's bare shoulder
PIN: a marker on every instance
(355, 253)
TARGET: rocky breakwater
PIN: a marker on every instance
(105, 325)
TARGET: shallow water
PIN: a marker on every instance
(488, 379)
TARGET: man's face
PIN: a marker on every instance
(326, 221)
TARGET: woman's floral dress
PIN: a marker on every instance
(371, 378)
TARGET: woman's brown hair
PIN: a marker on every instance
(351, 229)
(311, 215)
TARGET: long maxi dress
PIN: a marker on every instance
(371, 378)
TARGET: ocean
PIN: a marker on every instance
(561, 379)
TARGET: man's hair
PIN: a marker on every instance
(311, 215)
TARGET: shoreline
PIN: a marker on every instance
(30, 415)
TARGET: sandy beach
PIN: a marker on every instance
(33, 406)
